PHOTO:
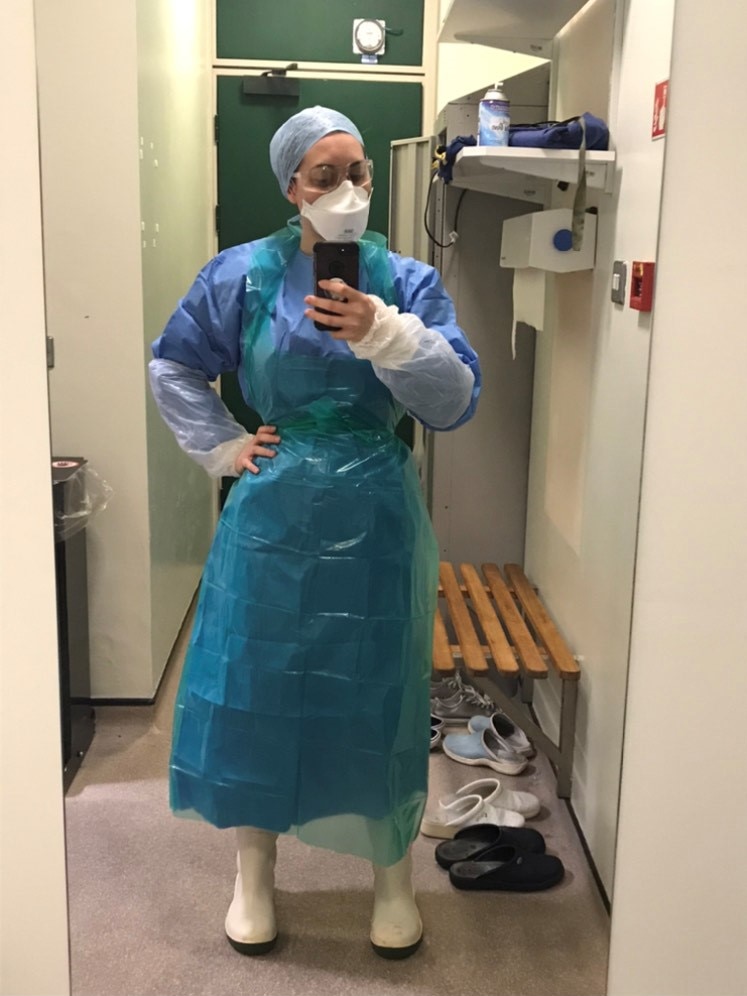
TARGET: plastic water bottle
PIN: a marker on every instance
(494, 117)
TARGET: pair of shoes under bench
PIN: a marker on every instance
(514, 736)
(485, 748)
(437, 726)
(463, 703)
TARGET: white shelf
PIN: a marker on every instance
(505, 170)
(527, 26)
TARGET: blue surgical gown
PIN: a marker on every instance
(304, 704)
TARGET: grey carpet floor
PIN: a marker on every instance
(149, 892)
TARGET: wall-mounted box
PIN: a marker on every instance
(641, 285)
(542, 240)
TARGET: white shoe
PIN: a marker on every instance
(495, 794)
(457, 811)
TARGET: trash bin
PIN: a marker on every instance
(77, 713)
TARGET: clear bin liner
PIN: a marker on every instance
(85, 495)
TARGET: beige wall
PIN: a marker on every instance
(173, 41)
(678, 925)
(464, 68)
(126, 199)
(90, 199)
(590, 398)
(33, 912)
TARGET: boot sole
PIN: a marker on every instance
(397, 954)
(262, 947)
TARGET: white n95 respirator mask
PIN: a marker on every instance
(341, 215)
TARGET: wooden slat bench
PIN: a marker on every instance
(521, 640)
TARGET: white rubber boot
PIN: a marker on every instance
(250, 922)
(396, 928)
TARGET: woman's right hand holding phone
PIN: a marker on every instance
(348, 313)
(257, 447)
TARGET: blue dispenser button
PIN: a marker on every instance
(563, 240)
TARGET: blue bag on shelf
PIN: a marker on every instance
(562, 134)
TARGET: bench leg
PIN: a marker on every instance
(527, 689)
(569, 698)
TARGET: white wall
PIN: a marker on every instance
(678, 925)
(126, 197)
(590, 398)
(33, 911)
(91, 209)
(464, 68)
(173, 42)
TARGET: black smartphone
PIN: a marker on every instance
(334, 261)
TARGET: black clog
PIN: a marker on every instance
(470, 843)
(506, 868)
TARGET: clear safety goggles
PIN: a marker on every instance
(326, 177)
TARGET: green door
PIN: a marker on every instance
(249, 200)
(250, 204)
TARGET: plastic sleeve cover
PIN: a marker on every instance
(390, 341)
(423, 356)
(201, 423)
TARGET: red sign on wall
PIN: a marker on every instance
(659, 124)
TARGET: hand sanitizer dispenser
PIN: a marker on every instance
(542, 240)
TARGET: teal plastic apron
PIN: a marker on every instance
(304, 703)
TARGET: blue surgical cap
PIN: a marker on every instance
(292, 140)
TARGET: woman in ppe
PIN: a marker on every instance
(304, 705)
